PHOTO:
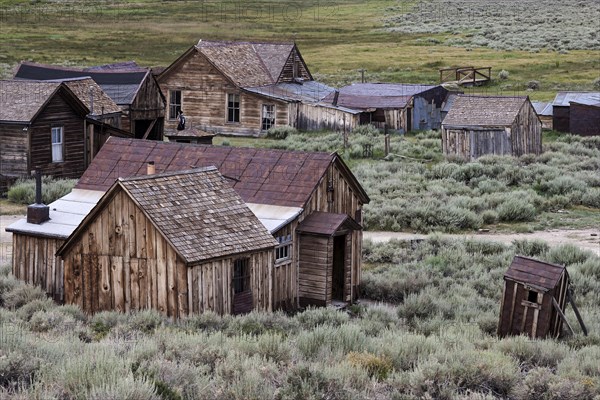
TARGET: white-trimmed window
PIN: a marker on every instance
(283, 251)
(57, 144)
(268, 116)
(233, 107)
(174, 103)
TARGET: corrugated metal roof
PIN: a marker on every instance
(119, 85)
(306, 92)
(274, 217)
(563, 99)
(376, 95)
(324, 223)
(542, 108)
(534, 272)
(483, 110)
(66, 214)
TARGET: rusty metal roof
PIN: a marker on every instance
(534, 272)
(324, 223)
(470, 110)
(376, 95)
(188, 133)
(263, 176)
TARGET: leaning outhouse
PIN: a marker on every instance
(534, 299)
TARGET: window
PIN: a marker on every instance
(174, 103)
(57, 144)
(233, 107)
(268, 116)
(284, 250)
(241, 275)
(532, 296)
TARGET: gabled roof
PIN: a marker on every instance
(120, 85)
(196, 211)
(324, 223)
(262, 176)
(470, 110)
(542, 108)
(563, 99)
(535, 272)
(21, 101)
(92, 95)
(376, 95)
(306, 92)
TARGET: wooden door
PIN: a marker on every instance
(339, 256)
(242, 291)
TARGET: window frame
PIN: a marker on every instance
(273, 118)
(54, 145)
(283, 251)
(233, 108)
(172, 116)
(240, 278)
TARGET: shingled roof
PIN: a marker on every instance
(92, 95)
(247, 63)
(121, 85)
(196, 211)
(470, 110)
(534, 272)
(262, 176)
(20, 101)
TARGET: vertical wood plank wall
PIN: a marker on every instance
(121, 262)
(34, 262)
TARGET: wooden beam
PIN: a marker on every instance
(579, 319)
(562, 315)
(149, 129)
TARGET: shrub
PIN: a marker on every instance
(102, 322)
(376, 366)
(207, 321)
(533, 85)
(366, 130)
(29, 309)
(44, 321)
(534, 353)
(313, 317)
(530, 248)
(516, 210)
(591, 198)
(567, 254)
(145, 321)
(281, 132)
(596, 83)
(22, 294)
(503, 75)
(256, 323)
(489, 217)
(17, 369)
(23, 191)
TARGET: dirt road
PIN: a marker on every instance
(6, 238)
(588, 239)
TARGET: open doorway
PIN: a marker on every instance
(337, 279)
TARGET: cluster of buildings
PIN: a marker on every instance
(161, 219)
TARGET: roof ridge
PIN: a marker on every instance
(168, 174)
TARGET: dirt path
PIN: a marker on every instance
(6, 238)
(580, 237)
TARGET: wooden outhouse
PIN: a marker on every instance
(500, 125)
(577, 113)
(180, 243)
(535, 295)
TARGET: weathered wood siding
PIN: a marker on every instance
(526, 132)
(315, 266)
(121, 262)
(314, 117)
(472, 143)
(204, 99)
(584, 120)
(14, 154)
(285, 274)
(58, 112)
(289, 72)
(34, 261)
(561, 118)
(148, 103)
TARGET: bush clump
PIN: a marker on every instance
(23, 191)
(503, 75)
(281, 132)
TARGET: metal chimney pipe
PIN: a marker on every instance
(38, 186)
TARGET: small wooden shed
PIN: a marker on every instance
(180, 243)
(501, 125)
(535, 295)
(325, 257)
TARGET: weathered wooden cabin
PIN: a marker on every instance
(244, 88)
(281, 188)
(49, 126)
(179, 243)
(133, 88)
(401, 107)
(535, 295)
(480, 125)
(584, 119)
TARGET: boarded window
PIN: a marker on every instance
(268, 116)
(241, 275)
(532, 296)
(233, 107)
(174, 103)
(283, 251)
(57, 144)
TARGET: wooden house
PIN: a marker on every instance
(245, 88)
(49, 126)
(133, 88)
(401, 107)
(535, 295)
(577, 113)
(281, 188)
(480, 125)
(179, 243)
